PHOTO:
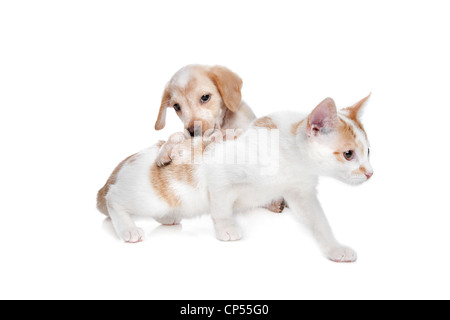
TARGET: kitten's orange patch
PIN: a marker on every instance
(360, 127)
(184, 173)
(360, 171)
(265, 122)
(347, 137)
(296, 126)
(101, 195)
(160, 180)
(346, 130)
(354, 110)
(181, 170)
(354, 113)
(339, 156)
(347, 140)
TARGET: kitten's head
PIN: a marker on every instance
(339, 144)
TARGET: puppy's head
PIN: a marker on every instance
(201, 96)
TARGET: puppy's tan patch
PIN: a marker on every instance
(265, 122)
(229, 85)
(101, 195)
(161, 120)
(189, 87)
(224, 109)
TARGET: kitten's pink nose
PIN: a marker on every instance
(368, 175)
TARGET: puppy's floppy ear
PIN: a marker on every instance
(161, 121)
(229, 85)
(323, 118)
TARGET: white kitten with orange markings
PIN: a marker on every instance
(324, 143)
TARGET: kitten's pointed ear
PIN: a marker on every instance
(323, 118)
(161, 121)
(356, 111)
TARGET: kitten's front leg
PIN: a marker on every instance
(222, 215)
(306, 205)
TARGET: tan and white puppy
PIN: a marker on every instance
(205, 98)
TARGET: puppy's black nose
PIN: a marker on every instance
(195, 130)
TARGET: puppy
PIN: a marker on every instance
(205, 99)
(327, 142)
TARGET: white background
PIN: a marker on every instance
(80, 87)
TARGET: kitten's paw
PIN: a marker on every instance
(231, 233)
(133, 235)
(342, 254)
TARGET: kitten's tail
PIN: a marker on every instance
(101, 200)
(103, 192)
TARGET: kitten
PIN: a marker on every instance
(324, 143)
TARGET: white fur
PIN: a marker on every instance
(183, 76)
(226, 188)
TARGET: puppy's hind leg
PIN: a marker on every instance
(277, 206)
(123, 224)
(169, 220)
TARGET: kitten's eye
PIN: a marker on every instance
(177, 107)
(368, 152)
(205, 98)
(348, 155)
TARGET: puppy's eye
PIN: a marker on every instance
(348, 155)
(205, 98)
(177, 107)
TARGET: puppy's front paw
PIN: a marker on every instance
(231, 233)
(163, 158)
(165, 155)
(342, 254)
(133, 235)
